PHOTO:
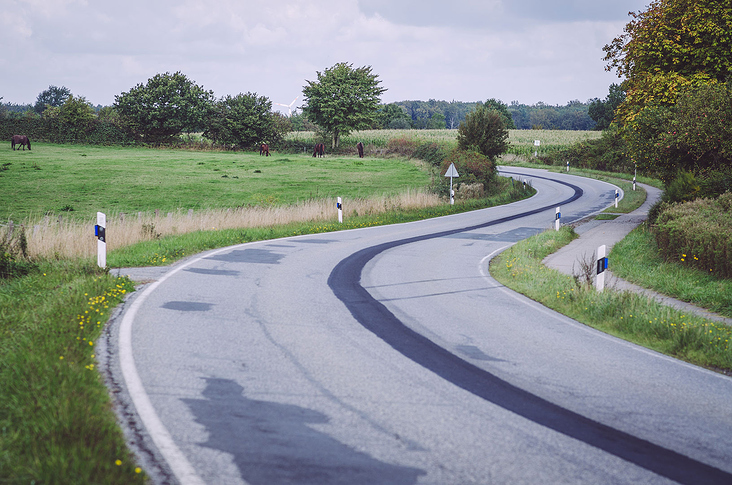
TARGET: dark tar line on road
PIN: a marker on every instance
(344, 281)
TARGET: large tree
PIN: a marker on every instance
(244, 120)
(165, 107)
(603, 111)
(53, 96)
(343, 99)
(484, 130)
(671, 47)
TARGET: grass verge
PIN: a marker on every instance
(630, 316)
(636, 259)
(166, 250)
(56, 420)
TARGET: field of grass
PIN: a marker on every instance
(77, 181)
(636, 259)
(521, 141)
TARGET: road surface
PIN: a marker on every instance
(389, 355)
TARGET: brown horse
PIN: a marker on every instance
(264, 150)
(20, 140)
(359, 147)
(319, 150)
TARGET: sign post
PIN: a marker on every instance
(339, 205)
(601, 267)
(537, 144)
(452, 172)
(557, 218)
(100, 231)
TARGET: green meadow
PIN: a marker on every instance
(75, 180)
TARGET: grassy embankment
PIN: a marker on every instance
(56, 421)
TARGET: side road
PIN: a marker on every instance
(594, 234)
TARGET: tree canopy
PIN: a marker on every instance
(53, 96)
(671, 47)
(603, 111)
(343, 99)
(484, 131)
(165, 107)
(243, 120)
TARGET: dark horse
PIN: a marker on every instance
(264, 149)
(20, 140)
(359, 147)
(319, 150)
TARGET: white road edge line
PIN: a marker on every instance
(179, 464)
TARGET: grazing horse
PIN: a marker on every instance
(319, 150)
(20, 140)
(359, 147)
(264, 149)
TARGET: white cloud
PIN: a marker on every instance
(464, 50)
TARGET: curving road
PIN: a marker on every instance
(389, 355)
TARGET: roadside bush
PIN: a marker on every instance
(432, 153)
(484, 131)
(608, 153)
(698, 234)
(473, 167)
(14, 253)
(401, 146)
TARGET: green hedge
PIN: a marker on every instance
(698, 234)
(93, 132)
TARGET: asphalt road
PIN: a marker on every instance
(389, 355)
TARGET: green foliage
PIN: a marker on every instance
(636, 259)
(14, 253)
(698, 234)
(682, 189)
(53, 96)
(432, 153)
(393, 117)
(483, 130)
(244, 121)
(608, 153)
(165, 107)
(669, 48)
(603, 112)
(472, 166)
(343, 99)
(502, 108)
(694, 135)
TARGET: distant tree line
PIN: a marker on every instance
(169, 105)
(433, 114)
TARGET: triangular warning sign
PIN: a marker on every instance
(452, 171)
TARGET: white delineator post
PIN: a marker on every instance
(617, 196)
(567, 166)
(537, 144)
(452, 172)
(340, 210)
(100, 231)
(601, 267)
(557, 217)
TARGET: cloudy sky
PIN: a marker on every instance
(463, 50)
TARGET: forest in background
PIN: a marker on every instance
(434, 114)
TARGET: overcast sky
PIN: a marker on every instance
(463, 50)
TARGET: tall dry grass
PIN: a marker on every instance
(53, 239)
